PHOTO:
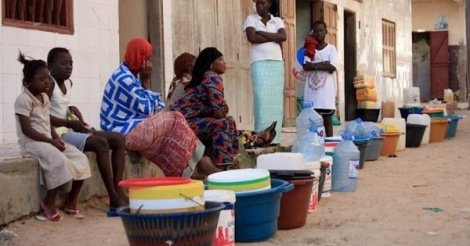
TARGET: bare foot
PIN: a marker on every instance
(122, 193)
(265, 137)
(116, 201)
(206, 167)
(49, 208)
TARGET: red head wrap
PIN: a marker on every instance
(138, 50)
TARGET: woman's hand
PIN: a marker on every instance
(145, 74)
(278, 37)
(78, 126)
(58, 143)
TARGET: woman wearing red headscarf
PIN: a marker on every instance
(131, 108)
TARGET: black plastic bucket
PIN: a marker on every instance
(367, 114)
(414, 135)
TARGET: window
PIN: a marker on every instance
(45, 15)
(389, 52)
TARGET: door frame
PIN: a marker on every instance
(350, 64)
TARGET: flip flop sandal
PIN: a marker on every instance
(112, 212)
(47, 216)
(75, 213)
(272, 136)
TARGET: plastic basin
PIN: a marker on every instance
(438, 129)
(405, 111)
(452, 128)
(256, 213)
(294, 204)
(240, 180)
(164, 194)
(414, 135)
(373, 150)
(188, 228)
(390, 142)
(367, 114)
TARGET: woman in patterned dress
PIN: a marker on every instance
(183, 67)
(131, 108)
(204, 107)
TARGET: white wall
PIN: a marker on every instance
(425, 14)
(132, 22)
(95, 50)
(369, 45)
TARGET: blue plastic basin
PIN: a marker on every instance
(452, 129)
(256, 213)
(404, 112)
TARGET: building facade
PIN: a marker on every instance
(102, 28)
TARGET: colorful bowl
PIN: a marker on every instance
(164, 195)
(240, 180)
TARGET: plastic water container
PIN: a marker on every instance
(309, 145)
(280, 161)
(401, 124)
(421, 119)
(346, 166)
(411, 97)
(225, 233)
(308, 117)
(448, 95)
(356, 128)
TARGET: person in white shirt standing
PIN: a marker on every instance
(321, 84)
(266, 33)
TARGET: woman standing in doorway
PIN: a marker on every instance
(266, 33)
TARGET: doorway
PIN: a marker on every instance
(431, 63)
(350, 101)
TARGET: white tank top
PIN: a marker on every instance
(60, 101)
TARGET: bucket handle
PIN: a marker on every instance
(285, 187)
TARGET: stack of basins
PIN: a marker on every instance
(306, 177)
(258, 200)
(294, 204)
(366, 95)
(168, 209)
(415, 125)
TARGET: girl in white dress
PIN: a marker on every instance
(59, 162)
